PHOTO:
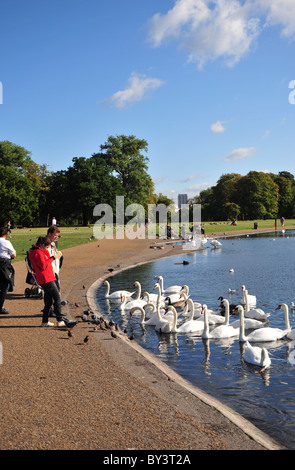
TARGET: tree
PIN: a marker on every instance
(286, 184)
(17, 197)
(258, 196)
(14, 156)
(123, 155)
(90, 183)
(226, 191)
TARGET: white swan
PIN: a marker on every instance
(221, 331)
(261, 335)
(189, 306)
(291, 333)
(165, 325)
(196, 307)
(170, 289)
(251, 298)
(257, 356)
(131, 303)
(152, 298)
(215, 243)
(249, 323)
(190, 326)
(117, 294)
(256, 313)
(153, 320)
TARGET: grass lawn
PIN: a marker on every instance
(23, 238)
(217, 227)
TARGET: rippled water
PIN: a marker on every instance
(265, 264)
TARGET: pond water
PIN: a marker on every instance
(264, 263)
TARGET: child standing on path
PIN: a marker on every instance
(42, 264)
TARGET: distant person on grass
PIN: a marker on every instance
(7, 252)
(42, 263)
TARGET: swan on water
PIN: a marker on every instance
(165, 325)
(221, 331)
(154, 318)
(261, 335)
(196, 307)
(152, 298)
(189, 326)
(251, 298)
(117, 294)
(252, 312)
(249, 323)
(256, 356)
(170, 289)
(131, 303)
(291, 333)
(189, 306)
(215, 243)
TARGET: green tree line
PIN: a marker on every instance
(257, 195)
(30, 194)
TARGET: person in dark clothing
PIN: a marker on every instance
(7, 252)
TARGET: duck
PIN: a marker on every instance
(221, 331)
(291, 333)
(116, 294)
(232, 307)
(260, 335)
(189, 326)
(176, 300)
(256, 356)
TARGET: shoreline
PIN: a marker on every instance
(62, 394)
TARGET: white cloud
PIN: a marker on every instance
(282, 13)
(138, 87)
(195, 189)
(210, 29)
(217, 127)
(266, 134)
(240, 153)
(189, 178)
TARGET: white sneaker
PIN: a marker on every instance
(61, 324)
(47, 324)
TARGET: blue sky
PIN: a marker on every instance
(206, 83)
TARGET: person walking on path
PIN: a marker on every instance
(42, 264)
(7, 252)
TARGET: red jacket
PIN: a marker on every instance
(41, 262)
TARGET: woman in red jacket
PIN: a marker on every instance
(41, 262)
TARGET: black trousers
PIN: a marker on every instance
(3, 289)
(51, 298)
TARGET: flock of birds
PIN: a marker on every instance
(171, 310)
